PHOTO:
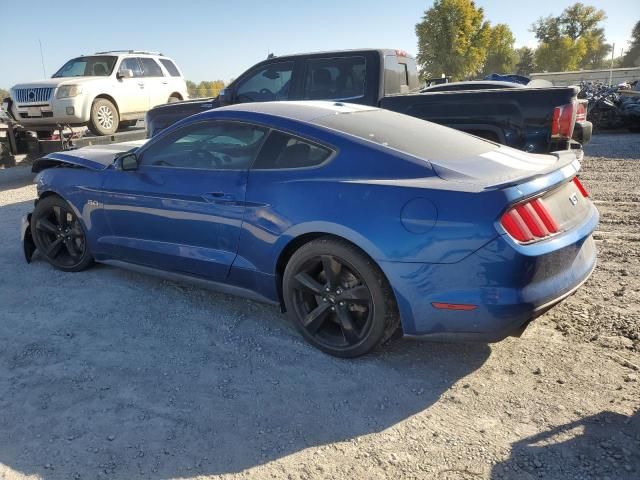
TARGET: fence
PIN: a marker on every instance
(617, 75)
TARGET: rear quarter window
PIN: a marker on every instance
(170, 66)
(282, 151)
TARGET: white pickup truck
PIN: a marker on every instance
(104, 91)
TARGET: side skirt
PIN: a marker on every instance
(197, 281)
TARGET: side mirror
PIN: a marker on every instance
(224, 97)
(128, 162)
(124, 73)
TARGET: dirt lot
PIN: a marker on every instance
(109, 374)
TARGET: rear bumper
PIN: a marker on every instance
(508, 286)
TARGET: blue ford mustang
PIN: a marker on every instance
(360, 222)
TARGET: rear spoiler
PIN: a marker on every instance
(567, 162)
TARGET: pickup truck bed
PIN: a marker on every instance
(518, 117)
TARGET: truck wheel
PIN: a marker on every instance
(104, 117)
(174, 99)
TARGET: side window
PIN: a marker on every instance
(282, 150)
(208, 146)
(338, 78)
(133, 65)
(150, 68)
(170, 66)
(266, 84)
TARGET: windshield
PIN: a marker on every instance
(95, 66)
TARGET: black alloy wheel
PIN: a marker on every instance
(338, 298)
(59, 236)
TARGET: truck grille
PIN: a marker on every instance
(32, 95)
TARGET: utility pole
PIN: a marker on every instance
(42, 59)
(613, 49)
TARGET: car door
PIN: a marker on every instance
(182, 209)
(155, 83)
(130, 93)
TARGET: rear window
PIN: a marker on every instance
(171, 68)
(407, 134)
(150, 68)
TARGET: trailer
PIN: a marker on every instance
(16, 140)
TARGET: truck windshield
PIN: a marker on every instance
(94, 66)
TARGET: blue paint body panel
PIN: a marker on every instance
(436, 239)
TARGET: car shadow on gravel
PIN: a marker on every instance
(606, 445)
(111, 374)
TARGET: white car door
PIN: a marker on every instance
(156, 84)
(131, 93)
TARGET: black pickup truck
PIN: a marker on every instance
(532, 119)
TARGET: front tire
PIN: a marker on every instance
(174, 99)
(59, 235)
(338, 298)
(104, 118)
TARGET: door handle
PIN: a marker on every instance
(141, 85)
(164, 82)
(219, 197)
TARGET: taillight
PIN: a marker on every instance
(563, 121)
(581, 112)
(529, 221)
(581, 188)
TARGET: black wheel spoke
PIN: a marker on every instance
(71, 248)
(348, 327)
(358, 294)
(54, 248)
(316, 317)
(46, 226)
(306, 281)
(332, 270)
(76, 232)
(60, 216)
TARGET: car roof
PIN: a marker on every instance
(302, 111)
(383, 51)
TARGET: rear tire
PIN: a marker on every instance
(338, 298)
(104, 118)
(174, 99)
(59, 235)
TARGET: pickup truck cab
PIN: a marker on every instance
(104, 91)
(532, 119)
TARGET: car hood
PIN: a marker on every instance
(97, 157)
(56, 82)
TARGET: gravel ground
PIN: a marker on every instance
(114, 375)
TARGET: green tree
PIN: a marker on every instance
(3, 94)
(526, 61)
(632, 56)
(571, 40)
(205, 89)
(452, 39)
(501, 56)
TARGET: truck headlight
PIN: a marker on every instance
(68, 91)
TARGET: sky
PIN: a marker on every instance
(213, 39)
